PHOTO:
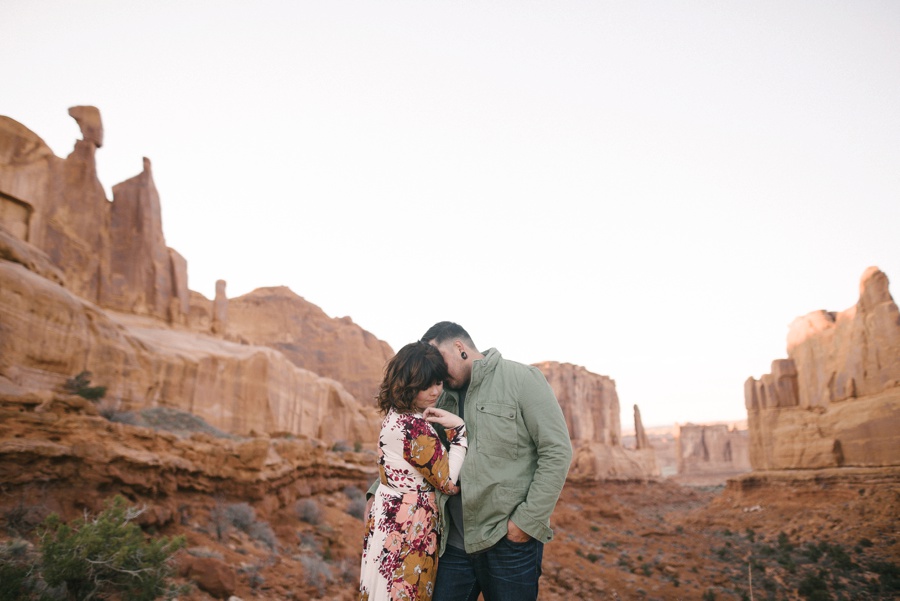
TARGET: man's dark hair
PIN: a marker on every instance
(447, 330)
(414, 368)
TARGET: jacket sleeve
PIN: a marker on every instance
(546, 425)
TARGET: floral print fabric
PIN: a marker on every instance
(399, 557)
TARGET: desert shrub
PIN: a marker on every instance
(348, 571)
(22, 518)
(340, 446)
(16, 571)
(129, 418)
(318, 572)
(839, 556)
(241, 516)
(308, 543)
(784, 542)
(888, 576)
(814, 552)
(814, 588)
(254, 578)
(180, 423)
(218, 517)
(353, 492)
(308, 511)
(81, 385)
(106, 556)
(357, 508)
(262, 532)
(109, 410)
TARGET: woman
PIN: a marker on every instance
(399, 557)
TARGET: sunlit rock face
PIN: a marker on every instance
(89, 285)
(712, 449)
(590, 405)
(335, 348)
(56, 205)
(49, 335)
(836, 400)
(110, 253)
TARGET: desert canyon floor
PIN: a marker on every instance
(826, 536)
(823, 537)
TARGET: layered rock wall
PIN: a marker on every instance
(835, 401)
(58, 446)
(337, 348)
(591, 407)
(712, 449)
(50, 334)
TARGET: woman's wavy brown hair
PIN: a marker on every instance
(414, 368)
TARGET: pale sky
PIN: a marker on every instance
(652, 190)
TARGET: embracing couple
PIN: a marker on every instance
(472, 456)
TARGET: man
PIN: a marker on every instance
(493, 532)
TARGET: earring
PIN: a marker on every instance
(464, 355)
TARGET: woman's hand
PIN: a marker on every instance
(442, 417)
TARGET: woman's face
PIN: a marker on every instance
(428, 397)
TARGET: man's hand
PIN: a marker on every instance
(516, 534)
(369, 505)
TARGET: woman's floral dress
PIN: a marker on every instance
(399, 557)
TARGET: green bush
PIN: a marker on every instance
(81, 385)
(106, 555)
(16, 571)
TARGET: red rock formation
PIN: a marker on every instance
(61, 442)
(56, 205)
(336, 348)
(712, 449)
(836, 400)
(591, 406)
(88, 284)
(51, 334)
(141, 268)
(641, 441)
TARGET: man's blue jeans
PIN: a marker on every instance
(507, 571)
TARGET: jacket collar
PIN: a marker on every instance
(482, 367)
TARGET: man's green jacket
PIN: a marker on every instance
(519, 452)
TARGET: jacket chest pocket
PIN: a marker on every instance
(496, 433)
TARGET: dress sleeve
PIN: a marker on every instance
(423, 450)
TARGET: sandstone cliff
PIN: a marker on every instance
(591, 406)
(334, 348)
(89, 284)
(712, 449)
(835, 401)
